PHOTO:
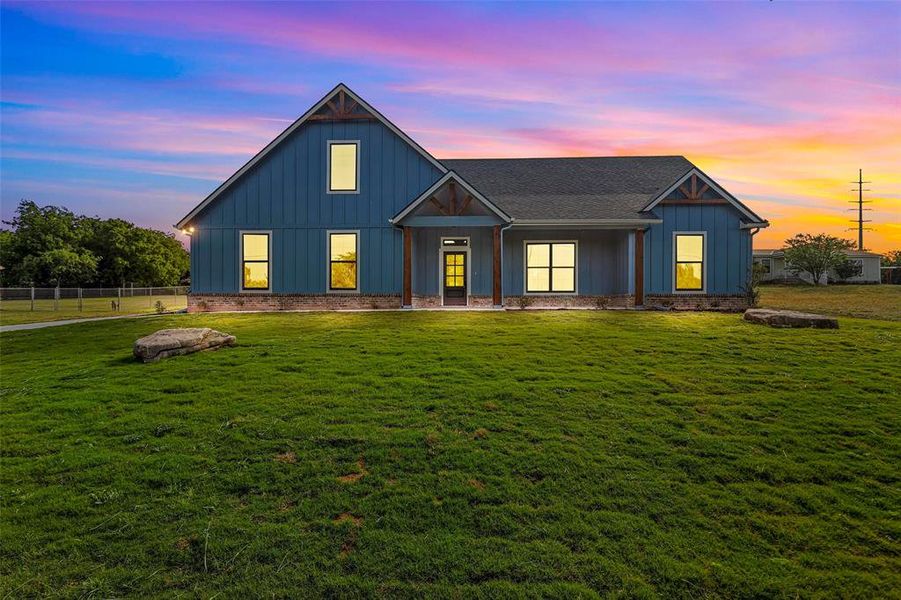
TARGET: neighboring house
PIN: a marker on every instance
(774, 268)
(344, 210)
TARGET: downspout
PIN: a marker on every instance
(503, 268)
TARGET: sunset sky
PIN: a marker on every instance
(140, 110)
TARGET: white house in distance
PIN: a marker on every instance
(774, 269)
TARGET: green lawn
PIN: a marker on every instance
(14, 312)
(870, 301)
(544, 454)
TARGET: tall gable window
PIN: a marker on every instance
(550, 267)
(343, 167)
(342, 268)
(255, 260)
(689, 264)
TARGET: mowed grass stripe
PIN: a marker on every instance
(446, 455)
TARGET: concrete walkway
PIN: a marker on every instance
(43, 324)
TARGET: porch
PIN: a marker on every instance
(460, 250)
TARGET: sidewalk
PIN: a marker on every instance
(43, 324)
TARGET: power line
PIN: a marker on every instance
(860, 202)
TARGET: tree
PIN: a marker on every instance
(847, 269)
(892, 259)
(815, 254)
(52, 246)
(61, 266)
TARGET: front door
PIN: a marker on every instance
(455, 279)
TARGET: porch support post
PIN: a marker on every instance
(407, 301)
(639, 267)
(497, 266)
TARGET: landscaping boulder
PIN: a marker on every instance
(173, 342)
(789, 318)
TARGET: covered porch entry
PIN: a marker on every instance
(451, 248)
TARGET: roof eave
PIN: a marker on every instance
(291, 129)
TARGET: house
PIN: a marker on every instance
(345, 210)
(773, 268)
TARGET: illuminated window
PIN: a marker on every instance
(343, 166)
(689, 262)
(550, 267)
(342, 261)
(255, 261)
(454, 269)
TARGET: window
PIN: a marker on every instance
(689, 249)
(255, 261)
(550, 267)
(765, 265)
(342, 261)
(343, 167)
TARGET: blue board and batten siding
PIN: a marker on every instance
(728, 251)
(286, 194)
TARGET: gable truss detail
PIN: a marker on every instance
(453, 209)
(689, 192)
(345, 109)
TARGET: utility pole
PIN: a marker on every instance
(860, 202)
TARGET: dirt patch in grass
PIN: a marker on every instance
(475, 483)
(358, 475)
(286, 457)
(346, 517)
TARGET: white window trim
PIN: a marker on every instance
(525, 268)
(328, 167)
(442, 249)
(704, 263)
(241, 290)
(328, 262)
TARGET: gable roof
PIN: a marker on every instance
(560, 189)
(437, 186)
(713, 185)
(291, 129)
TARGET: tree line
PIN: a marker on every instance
(52, 246)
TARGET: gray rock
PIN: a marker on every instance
(789, 318)
(173, 342)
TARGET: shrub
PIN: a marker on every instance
(160, 307)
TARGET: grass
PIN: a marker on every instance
(15, 312)
(868, 301)
(446, 455)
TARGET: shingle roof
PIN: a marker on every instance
(615, 187)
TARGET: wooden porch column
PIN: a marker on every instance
(408, 268)
(497, 265)
(639, 267)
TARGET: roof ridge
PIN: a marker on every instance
(570, 157)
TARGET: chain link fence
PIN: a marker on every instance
(121, 300)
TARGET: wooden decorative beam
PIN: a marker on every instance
(464, 206)
(496, 287)
(639, 267)
(440, 206)
(408, 267)
(452, 191)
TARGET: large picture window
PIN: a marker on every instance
(343, 167)
(550, 267)
(342, 248)
(255, 261)
(689, 249)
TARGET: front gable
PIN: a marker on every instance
(695, 188)
(393, 167)
(450, 201)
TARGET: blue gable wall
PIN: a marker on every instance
(728, 247)
(286, 194)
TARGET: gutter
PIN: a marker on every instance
(756, 225)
